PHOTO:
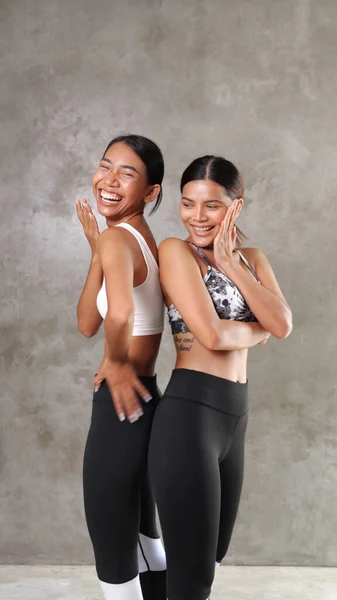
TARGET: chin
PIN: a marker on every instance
(109, 212)
(203, 242)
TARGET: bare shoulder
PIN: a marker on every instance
(172, 246)
(253, 255)
(113, 235)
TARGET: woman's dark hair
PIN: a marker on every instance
(151, 156)
(221, 171)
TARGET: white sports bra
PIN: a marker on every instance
(147, 297)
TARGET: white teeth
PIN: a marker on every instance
(110, 197)
(202, 229)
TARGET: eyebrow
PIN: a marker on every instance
(210, 200)
(123, 166)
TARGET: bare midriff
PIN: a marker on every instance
(230, 365)
(143, 352)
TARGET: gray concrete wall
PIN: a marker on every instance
(255, 81)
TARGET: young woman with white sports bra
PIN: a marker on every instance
(221, 301)
(123, 289)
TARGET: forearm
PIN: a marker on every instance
(237, 335)
(88, 316)
(272, 312)
(118, 335)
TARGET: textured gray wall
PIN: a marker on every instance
(254, 80)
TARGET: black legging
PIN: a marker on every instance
(196, 463)
(118, 500)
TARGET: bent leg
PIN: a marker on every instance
(151, 554)
(115, 463)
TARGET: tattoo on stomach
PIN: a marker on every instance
(184, 342)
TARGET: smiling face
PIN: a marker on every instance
(203, 206)
(120, 183)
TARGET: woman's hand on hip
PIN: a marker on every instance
(89, 223)
(124, 386)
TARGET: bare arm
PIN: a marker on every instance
(117, 264)
(122, 380)
(88, 317)
(266, 300)
(183, 284)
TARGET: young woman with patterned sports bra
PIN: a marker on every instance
(123, 289)
(221, 301)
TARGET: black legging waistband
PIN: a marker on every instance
(220, 394)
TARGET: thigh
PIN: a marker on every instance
(115, 463)
(231, 473)
(184, 471)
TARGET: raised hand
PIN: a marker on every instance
(89, 223)
(224, 242)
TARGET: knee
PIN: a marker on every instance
(151, 554)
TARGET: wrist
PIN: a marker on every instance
(228, 265)
(95, 258)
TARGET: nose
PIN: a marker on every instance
(199, 214)
(112, 178)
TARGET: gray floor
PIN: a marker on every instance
(232, 583)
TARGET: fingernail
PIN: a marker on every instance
(148, 398)
(135, 416)
(96, 389)
(138, 413)
(121, 416)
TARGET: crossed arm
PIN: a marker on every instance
(183, 284)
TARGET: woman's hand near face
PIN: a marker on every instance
(89, 223)
(224, 241)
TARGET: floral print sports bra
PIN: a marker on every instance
(227, 299)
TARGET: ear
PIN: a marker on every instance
(152, 193)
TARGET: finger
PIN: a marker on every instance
(132, 405)
(234, 235)
(218, 237)
(87, 207)
(79, 210)
(238, 208)
(221, 233)
(142, 390)
(232, 228)
(97, 383)
(117, 400)
(91, 216)
(232, 215)
(225, 222)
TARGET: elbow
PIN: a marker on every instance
(88, 327)
(211, 340)
(121, 317)
(86, 330)
(284, 328)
